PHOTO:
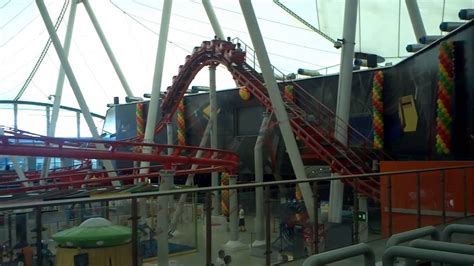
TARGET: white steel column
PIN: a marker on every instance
(19, 171)
(170, 141)
(277, 103)
(73, 82)
(258, 157)
(166, 178)
(158, 75)
(213, 19)
(107, 48)
(60, 84)
(416, 20)
(343, 106)
(213, 117)
(233, 242)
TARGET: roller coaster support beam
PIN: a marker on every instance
(213, 117)
(107, 48)
(170, 141)
(189, 181)
(416, 20)
(258, 157)
(73, 82)
(157, 77)
(163, 217)
(213, 19)
(277, 103)
(233, 243)
(343, 101)
(60, 84)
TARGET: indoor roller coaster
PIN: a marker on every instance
(312, 123)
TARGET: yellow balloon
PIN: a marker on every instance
(244, 93)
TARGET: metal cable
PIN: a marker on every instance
(43, 53)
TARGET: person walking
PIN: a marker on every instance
(242, 219)
(220, 258)
(227, 260)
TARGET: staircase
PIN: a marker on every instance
(312, 122)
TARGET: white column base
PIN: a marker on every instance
(258, 243)
(336, 197)
(234, 245)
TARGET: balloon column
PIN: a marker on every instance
(181, 131)
(289, 93)
(225, 194)
(139, 120)
(444, 117)
(377, 110)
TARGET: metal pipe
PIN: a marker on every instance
(157, 77)
(268, 236)
(135, 232)
(277, 102)
(439, 246)
(214, 143)
(162, 215)
(208, 210)
(416, 20)
(39, 236)
(72, 81)
(258, 160)
(107, 48)
(424, 254)
(418, 201)
(412, 235)
(449, 230)
(443, 195)
(25, 205)
(342, 254)
(213, 19)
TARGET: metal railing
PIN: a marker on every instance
(38, 206)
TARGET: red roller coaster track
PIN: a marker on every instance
(313, 123)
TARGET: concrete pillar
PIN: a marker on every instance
(213, 117)
(343, 100)
(258, 157)
(233, 242)
(166, 179)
